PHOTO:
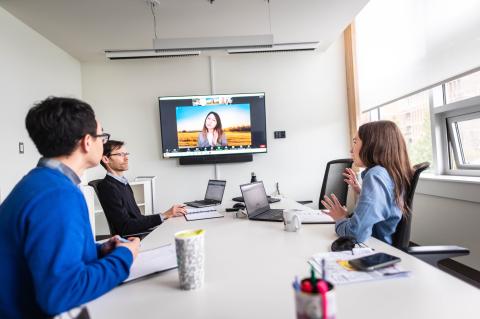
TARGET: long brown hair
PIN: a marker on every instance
(383, 144)
(217, 128)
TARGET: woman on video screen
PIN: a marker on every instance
(212, 133)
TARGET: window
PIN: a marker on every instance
(462, 88)
(454, 139)
(412, 115)
(369, 116)
(464, 137)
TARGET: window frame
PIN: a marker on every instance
(444, 116)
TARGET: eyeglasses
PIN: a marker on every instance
(104, 136)
(122, 154)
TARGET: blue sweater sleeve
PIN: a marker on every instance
(369, 209)
(63, 259)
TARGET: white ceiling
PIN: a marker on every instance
(86, 28)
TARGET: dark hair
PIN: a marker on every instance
(56, 124)
(109, 147)
(383, 144)
(217, 128)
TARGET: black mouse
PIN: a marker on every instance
(343, 243)
(239, 205)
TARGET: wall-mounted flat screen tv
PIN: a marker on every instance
(213, 125)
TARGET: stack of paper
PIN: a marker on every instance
(194, 213)
(152, 261)
(337, 272)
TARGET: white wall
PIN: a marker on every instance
(447, 213)
(305, 95)
(31, 68)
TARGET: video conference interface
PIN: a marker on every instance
(213, 125)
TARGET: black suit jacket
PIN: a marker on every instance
(120, 208)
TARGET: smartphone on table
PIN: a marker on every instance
(374, 262)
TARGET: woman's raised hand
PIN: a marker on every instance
(351, 179)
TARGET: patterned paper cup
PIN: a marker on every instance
(190, 248)
(312, 306)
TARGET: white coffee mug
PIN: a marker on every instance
(291, 220)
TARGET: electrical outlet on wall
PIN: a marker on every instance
(279, 134)
(21, 148)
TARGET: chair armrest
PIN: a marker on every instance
(427, 250)
(303, 202)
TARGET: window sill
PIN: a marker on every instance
(451, 178)
(464, 188)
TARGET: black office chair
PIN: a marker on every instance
(94, 184)
(142, 235)
(333, 181)
(401, 238)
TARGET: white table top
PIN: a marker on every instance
(250, 266)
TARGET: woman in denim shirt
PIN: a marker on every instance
(380, 148)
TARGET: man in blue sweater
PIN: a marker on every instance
(49, 260)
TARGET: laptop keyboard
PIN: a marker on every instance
(272, 213)
(206, 201)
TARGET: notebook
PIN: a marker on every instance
(202, 213)
(152, 261)
(314, 216)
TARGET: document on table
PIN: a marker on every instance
(152, 261)
(194, 213)
(314, 216)
(336, 267)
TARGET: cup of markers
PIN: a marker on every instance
(314, 298)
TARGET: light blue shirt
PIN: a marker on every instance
(121, 179)
(59, 166)
(377, 213)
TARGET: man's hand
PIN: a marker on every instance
(175, 211)
(108, 246)
(133, 245)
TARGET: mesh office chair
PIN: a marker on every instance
(333, 181)
(401, 238)
(142, 235)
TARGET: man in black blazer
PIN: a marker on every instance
(116, 195)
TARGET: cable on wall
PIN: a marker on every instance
(153, 4)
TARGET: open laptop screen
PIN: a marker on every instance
(215, 190)
(255, 198)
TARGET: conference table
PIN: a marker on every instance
(249, 269)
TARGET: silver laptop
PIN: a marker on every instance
(213, 195)
(257, 205)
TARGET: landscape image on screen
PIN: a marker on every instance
(234, 118)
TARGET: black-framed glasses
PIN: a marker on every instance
(122, 154)
(104, 136)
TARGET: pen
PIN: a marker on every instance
(313, 280)
(296, 284)
(122, 240)
(323, 268)
(396, 273)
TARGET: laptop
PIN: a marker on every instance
(213, 195)
(257, 205)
